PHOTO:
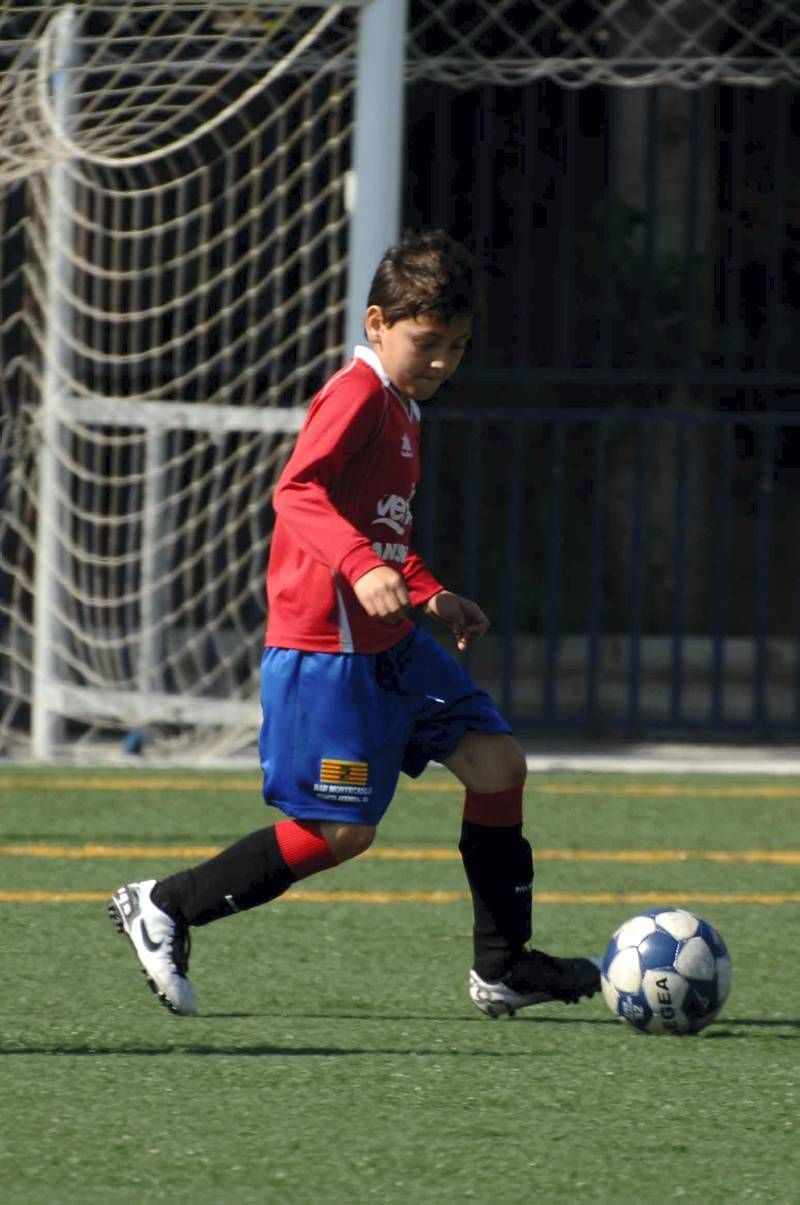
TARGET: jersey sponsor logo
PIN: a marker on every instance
(353, 773)
(406, 448)
(393, 512)
(390, 552)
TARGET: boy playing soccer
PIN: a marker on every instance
(352, 691)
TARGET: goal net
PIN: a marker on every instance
(174, 257)
(625, 43)
(173, 275)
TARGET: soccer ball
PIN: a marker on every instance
(666, 971)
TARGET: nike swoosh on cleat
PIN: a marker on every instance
(147, 939)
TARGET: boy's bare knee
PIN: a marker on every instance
(487, 762)
(509, 767)
(516, 767)
(347, 840)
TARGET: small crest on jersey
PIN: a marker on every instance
(405, 446)
(353, 772)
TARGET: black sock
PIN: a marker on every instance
(499, 868)
(246, 874)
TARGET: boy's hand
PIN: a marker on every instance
(382, 593)
(463, 617)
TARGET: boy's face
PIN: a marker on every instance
(418, 354)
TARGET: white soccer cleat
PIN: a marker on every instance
(161, 944)
(536, 978)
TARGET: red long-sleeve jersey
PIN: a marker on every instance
(343, 507)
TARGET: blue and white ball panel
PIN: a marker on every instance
(723, 979)
(665, 994)
(634, 931)
(679, 924)
(658, 950)
(666, 971)
(623, 970)
(694, 960)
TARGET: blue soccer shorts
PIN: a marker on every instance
(338, 728)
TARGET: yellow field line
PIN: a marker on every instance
(633, 857)
(644, 790)
(112, 782)
(552, 897)
(636, 789)
(629, 857)
(769, 898)
(108, 851)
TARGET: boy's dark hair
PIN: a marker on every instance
(426, 274)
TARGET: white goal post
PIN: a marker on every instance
(193, 196)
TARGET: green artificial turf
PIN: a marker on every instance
(337, 1057)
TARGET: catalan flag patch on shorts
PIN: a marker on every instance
(332, 770)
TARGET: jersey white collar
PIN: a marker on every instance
(373, 359)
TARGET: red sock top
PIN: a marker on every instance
(304, 850)
(501, 809)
